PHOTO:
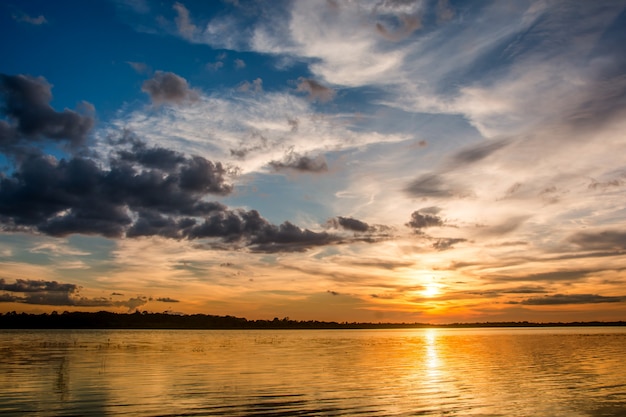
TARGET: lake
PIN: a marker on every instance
(419, 372)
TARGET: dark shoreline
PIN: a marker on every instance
(137, 320)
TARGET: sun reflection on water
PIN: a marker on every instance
(432, 359)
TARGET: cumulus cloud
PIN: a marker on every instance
(26, 105)
(60, 197)
(167, 87)
(315, 90)
(139, 190)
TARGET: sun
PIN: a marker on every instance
(430, 290)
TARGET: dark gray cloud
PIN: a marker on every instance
(421, 221)
(604, 240)
(293, 161)
(151, 223)
(167, 87)
(155, 157)
(349, 223)
(250, 229)
(560, 299)
(290, 238)
(25, 102)
(316, 91)
(58, 294)
(78, 196)
(140, 195)
(138, 191)
(29, 285)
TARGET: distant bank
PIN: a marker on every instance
(145, 320)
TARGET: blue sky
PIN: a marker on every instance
(378, 160)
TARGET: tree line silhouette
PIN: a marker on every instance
(146, 320)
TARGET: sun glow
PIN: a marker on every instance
(430, 290)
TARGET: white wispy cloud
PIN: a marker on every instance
(247, 130)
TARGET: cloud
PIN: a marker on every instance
(31, 118)
(444, 11)
(167, 87)
(421, 221)
(525, 290)
(561, 299)
(315, 90)
(248, 228)
(351, 224)
(478, 152)
(505, 227)
(248, 130)
(140, 67)
(239, 63)
(566, 275)
(183, 21)
(301, 163)
(167, 300)
(28, 285)
(141, 189)
(52, 293)
(446, 243)
(289, 238)
(602, 240)
(431, 185)
(79, 196)
(150, 157)
(595, 185)
(408, 25)
(23, 17)
(255, 86)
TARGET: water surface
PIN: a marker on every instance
(420, 372)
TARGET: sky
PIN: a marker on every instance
(374, 161)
